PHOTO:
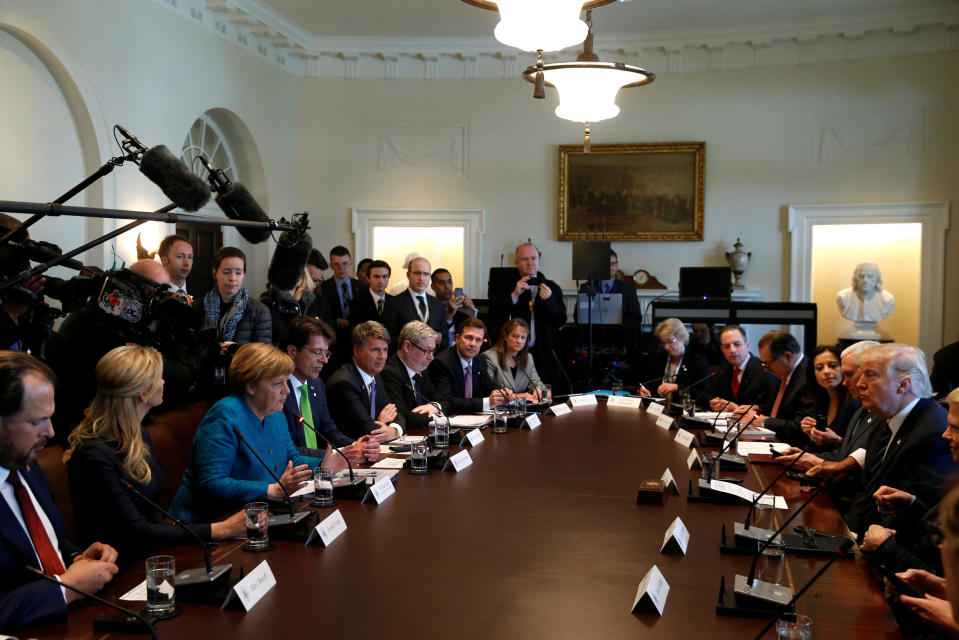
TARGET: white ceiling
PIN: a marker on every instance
(658, 19)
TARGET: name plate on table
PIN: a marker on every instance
(532, 422)
(381, 491)
(560, 409)
(252, 588)
(669, 482)
(685, 438)
(655, 408)
(328, 530)
(459, 461)
(474, 437)
(624, 401)
(582, 401)
(694, 461)
(652, 592)
(664, 422)
(676, 538)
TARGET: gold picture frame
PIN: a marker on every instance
(647, 191)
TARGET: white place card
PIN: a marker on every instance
(381, 491)
(669, 482)
(560, 409)
(328, 529)
(652, 592)
(583, 401)
(685, 438)
(532, 422)
(664, 422)
(694, 461)
(459, 461)
(252, 587)
(655, 408)
(624, 401)
(676, 538)
(475, 436)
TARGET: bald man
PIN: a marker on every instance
(151, 269)
(416, 304)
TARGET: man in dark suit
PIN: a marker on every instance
(379, 276)
(307, 341)
(743, 381)
(780, 354)
(407, 384)
(908, 452)
(350, 302)
(631, 313)
(29, 536)
(359, 404)
(458, 308)
(461, 377)
(539, 301)
(416, 304)
(176, 256)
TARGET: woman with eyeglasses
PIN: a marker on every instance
(675, 369)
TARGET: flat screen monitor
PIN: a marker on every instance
(705, 283)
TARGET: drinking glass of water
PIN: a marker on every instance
(322, 488)
(418, 457)
(257, 525)
(161, 598)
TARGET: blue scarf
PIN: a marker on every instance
(227, 324)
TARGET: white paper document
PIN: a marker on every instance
(389, 463)
(470, 420)
(139, 592)
(778, 502)
(746, 448)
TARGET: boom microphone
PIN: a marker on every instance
(289, 260)
(183, 187)
(238, 204)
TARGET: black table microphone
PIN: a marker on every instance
(752, 507)
(289, 498)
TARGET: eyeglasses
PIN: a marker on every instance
(426, 352)
(420, 274)
(321, 353)
(668, 341)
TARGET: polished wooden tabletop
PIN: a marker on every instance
(541, 537)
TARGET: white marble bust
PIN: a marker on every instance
(865, 300)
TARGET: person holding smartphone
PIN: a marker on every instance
(459, 306)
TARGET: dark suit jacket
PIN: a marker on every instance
(322, 421)
(398, 386)
(450, 380)
(918, 461)
(24, 599)
(401, 309)
(692, 370)
(350, 401)
(758, 386)
(793, 407)
(386, 298)
(631, 312)
(945, 369)
(550, 315)
(361, 310)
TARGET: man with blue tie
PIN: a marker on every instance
(31, 527)
(307, 341)
(359, 403)
(631, 312)
(349, 300)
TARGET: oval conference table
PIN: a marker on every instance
(540, 538)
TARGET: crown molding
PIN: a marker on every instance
(270, 36)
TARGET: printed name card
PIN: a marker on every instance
(652, 592)
(694, 461)
(475, 436)
(328, 530)
(624, 401)
(655, 408)
(560, 409)
(676, 538)
(685, 438)
(459, 461)
(582, 401)
(669, 482)
(664, 422)
(532, 422)
(253, 587)
(381, 491)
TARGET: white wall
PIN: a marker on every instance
(760, 126)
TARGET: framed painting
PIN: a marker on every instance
(642, 191)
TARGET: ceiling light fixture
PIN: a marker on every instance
(539, 25)
(587, 87)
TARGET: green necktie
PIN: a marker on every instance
(307, 414)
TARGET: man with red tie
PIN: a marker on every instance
(780, 354)
(743, 381)
(31, 527)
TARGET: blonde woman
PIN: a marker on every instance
(110, 448)
(676, 367)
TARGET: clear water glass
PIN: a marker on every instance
(257, 525)
(161, 592)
